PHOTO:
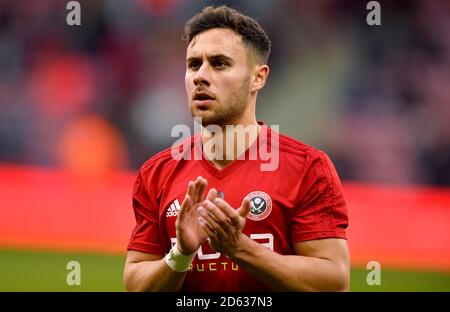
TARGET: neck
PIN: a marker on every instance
(226, 143)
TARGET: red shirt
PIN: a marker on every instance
(301, 200)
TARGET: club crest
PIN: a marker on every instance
(260, 205)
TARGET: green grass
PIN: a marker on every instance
(46, 271)
(401, 280)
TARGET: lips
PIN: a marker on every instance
(202, 100)
(202, 96)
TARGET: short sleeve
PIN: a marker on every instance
(321, 211)
(146, 235)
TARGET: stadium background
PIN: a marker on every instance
(82, 107)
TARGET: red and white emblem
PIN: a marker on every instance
(260, 205)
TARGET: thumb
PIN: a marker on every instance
(184, 210)
(245, 208)
(187, 202)
(212, 194)
(185, 205)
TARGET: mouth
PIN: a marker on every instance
(202, 99)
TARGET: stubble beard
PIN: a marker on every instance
(227, 113)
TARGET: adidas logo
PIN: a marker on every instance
(173, 209)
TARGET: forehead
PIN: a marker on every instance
(216, 41)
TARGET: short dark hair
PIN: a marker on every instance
(225, 17)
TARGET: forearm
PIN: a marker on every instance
(289, 272)
(152, 276)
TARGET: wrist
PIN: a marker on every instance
(238, 248)
(177, 261)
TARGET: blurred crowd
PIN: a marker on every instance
(106, 94)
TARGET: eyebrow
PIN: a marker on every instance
(211, 58)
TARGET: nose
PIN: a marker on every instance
(202, 75)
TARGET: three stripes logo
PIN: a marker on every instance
(173, 209)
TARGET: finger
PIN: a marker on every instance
(191, 190)
(212, 194)
(228, 210)
(245, 208)
(208, 230)
(187, 202)
(197, 186)
(185, 207)
(198, 189)
(212, 224)
(202, 188)
(220, 218)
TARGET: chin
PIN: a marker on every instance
(207, 117)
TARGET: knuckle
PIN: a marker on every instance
(223, 221)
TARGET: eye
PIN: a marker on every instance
(219, 64)
(194, 65)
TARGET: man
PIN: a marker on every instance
(281, 229)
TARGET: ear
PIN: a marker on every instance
(259, 77)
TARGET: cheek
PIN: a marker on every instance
(188, 82)
(230, 83)
(235, 84)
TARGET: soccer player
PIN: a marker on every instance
(237, 227)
